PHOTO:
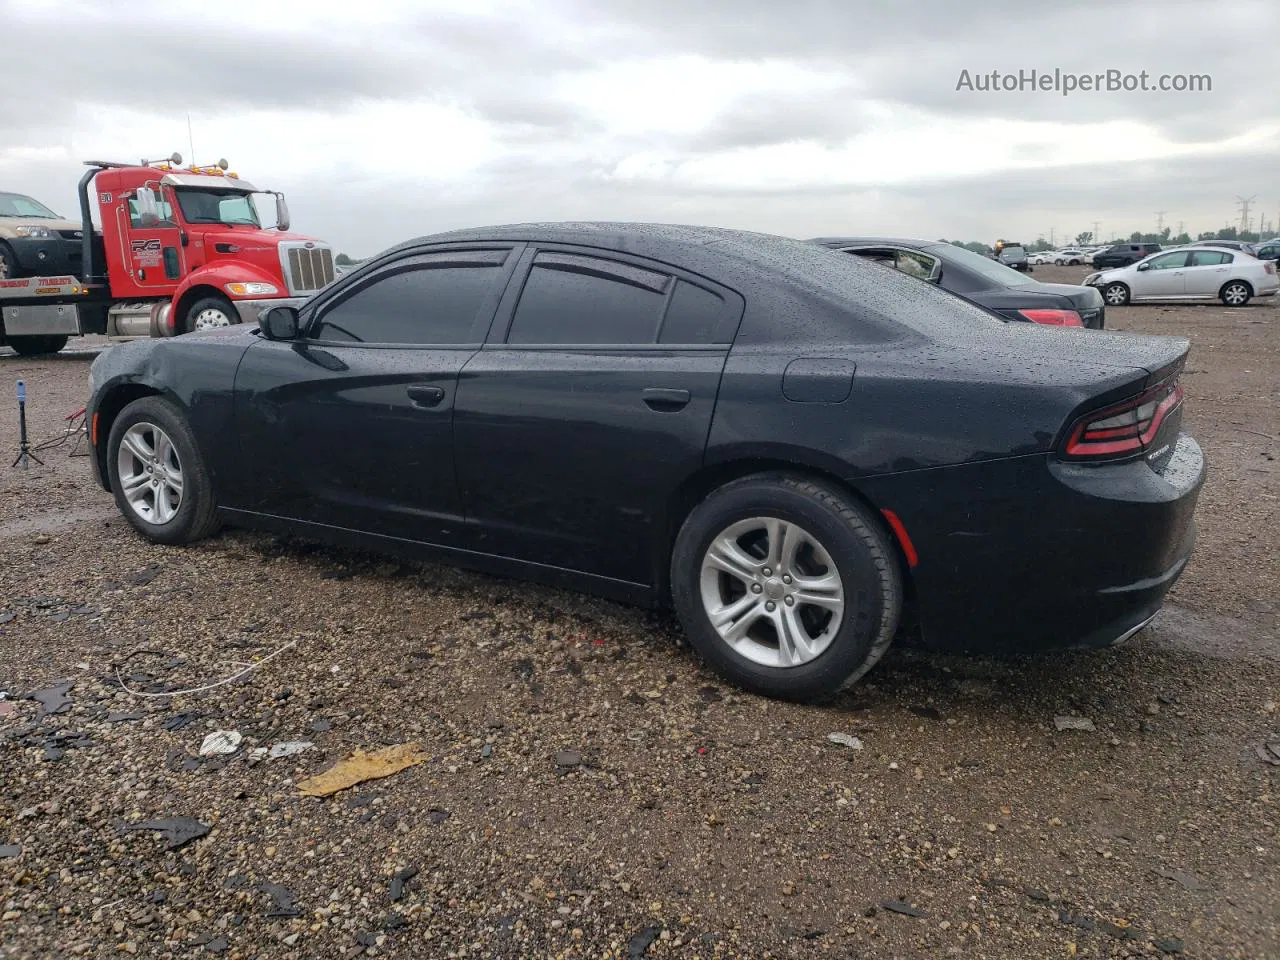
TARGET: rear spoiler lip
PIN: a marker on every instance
(1172, 369)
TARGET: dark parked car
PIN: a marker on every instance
(1268, 250)
(980, 279)
(1014, 255)
(1123, 254)
(787, 446)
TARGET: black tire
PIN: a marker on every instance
(1235, 293)
(220, 304)
(9, 267)
(858, 547)
(36, 346)
(196, 516)
(1117, 290)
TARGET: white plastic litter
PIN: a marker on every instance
(220, 742)
(289, 748)
(845, 740)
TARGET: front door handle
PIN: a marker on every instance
(426, 396)
(666, 399)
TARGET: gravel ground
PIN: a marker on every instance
(590, 791)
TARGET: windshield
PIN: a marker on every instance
(1014, 252)
(200, 205)
(16, 205)
(997, 273)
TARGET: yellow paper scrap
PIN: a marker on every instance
(361, 766)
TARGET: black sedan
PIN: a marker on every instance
(981, 280)
(792, 449)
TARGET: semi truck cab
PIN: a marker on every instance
(178, 249)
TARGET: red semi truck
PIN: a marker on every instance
(179, 249)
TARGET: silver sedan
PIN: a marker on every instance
(1189, 273)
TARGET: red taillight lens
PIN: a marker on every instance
(1268, 266)
(1054, 318)
(1126, 428)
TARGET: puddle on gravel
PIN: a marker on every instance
(1222, 638)
(53, 522)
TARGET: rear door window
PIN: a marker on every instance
(573, 299)
(1209, 258)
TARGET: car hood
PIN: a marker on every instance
(8, 223)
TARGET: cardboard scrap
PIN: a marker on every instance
(361, 766)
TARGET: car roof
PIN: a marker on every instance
(872, 241)
(616, 235)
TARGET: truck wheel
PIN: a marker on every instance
(209, 313)
(35, 346)
(9, 269)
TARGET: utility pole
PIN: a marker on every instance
(1097, 230)
(1160, 220)
(1051, 238)
(1244, 211)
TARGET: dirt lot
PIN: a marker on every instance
(590, 791)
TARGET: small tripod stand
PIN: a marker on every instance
(24, 446)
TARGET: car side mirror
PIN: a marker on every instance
(279, 323)
(1144, 266)
(282, 213)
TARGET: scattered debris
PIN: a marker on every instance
(220, 742)
(362, 766)
(1188, 881)
(1036, 894)
(568, 759)
(53, 699)
(121, 716)
(927, 713)
(1269, 752)
(9, 850)
(845, 740)
(399, 880)
(288, 748)
(285, 903)
(7, 708)
(179, 720)
(906, 909)
(1074, 723)
(1169, 946)
(178, 831)
(640, 943)
(321, 726)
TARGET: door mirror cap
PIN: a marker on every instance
(282, 213)
(279, 323)
(1144, 266)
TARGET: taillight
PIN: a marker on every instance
(1268, 266)
(1126, 428)
(1054, 318)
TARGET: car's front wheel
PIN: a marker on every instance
(1236, 293)
(1116, 294)
(787, 587)
(160, 481)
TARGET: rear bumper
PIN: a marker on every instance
(1032, 553)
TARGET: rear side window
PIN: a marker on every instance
(1209, 258)
(429, 300)
(693, 315)
(571, 299)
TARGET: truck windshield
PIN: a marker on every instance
(17, 205)
(200, 205)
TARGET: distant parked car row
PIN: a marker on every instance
(1199, 272)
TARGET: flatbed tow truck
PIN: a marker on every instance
(179, 249)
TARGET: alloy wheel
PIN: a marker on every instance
(1235, 294)
(772, 592)
(150, 473)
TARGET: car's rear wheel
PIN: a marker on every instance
(159, 479)
(37, 346)
(1116, 294)
(787, 587)
(210, 313)
(1236, 293)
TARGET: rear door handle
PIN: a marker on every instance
(666, 399)
(426, 396)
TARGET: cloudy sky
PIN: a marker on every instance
(386, 119)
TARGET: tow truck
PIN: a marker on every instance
(179, 249)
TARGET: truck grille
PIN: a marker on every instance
(307, 269)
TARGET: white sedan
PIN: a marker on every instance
(1044, 256)
(1189, 273)
(1070, 257)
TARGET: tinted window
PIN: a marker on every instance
(574, 299)
(915, 264)
(420, 303)
(693, 316)
(1210, 257)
